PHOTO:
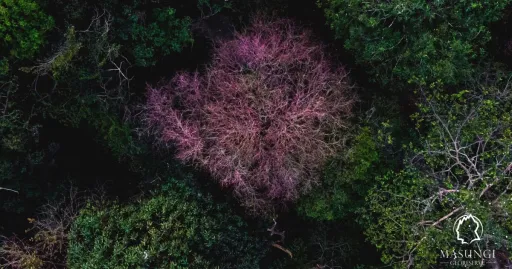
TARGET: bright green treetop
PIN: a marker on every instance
(22, 28)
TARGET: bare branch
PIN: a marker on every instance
(273, 231)
(283, 249)
(7, 189)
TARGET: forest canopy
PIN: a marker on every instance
(255, 134)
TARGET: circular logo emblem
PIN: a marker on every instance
(468, 229)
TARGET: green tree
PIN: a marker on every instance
(91, 84)
(375, 149)
(462, 167)
(19, 149)
(22, 28)
(417, 41)
(23, 25)
(345, 181)
(152, 36)
(175, 228)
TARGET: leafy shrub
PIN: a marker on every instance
(175, 228)
(415, 42)
(264, 116)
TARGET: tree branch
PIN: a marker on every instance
(283, 249)
(7, 189)
(447, 216)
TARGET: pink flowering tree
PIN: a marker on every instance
(262, 118)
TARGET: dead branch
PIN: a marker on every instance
(447, 216)
(47, 248)
(283, 249)
(273, 231)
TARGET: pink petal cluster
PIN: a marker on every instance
(263, 117)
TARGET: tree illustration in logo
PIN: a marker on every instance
(468, 229)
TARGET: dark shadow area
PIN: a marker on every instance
(72, 157)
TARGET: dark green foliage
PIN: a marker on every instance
(116, 134)
(23, 25)
(19, 154)
(347, 179)
(86, 87)
(343, 180)
(416, 42)
(152, 35)
(174, 228)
